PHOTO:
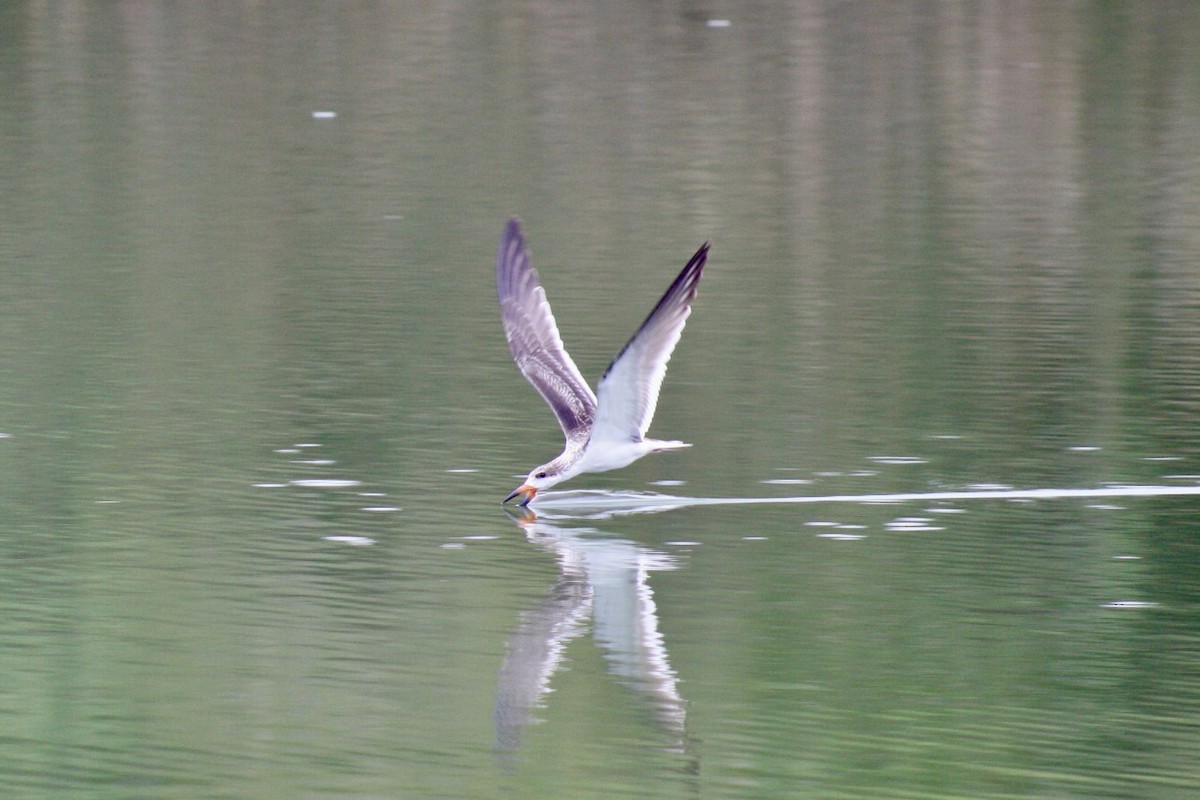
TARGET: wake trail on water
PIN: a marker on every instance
(634, 502)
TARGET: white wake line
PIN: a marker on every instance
(567, 500)
(984, 494)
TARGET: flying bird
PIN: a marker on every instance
(605, 430)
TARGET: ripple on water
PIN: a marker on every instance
(325, 483)
(912, 524)
(356, 541)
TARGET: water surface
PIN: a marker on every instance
(257, 412)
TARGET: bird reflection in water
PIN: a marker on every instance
(602, 580)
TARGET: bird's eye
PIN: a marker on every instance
(540, 475)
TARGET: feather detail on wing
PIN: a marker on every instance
(628, 392)
(534, 340)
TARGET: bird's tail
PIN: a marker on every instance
(660, 444)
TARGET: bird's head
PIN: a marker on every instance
(539, 478)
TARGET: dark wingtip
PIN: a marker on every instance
(512, 231)
(509, 252)
(689, 276)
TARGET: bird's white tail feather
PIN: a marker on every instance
(661, 444)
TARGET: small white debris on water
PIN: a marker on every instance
(787, 481)
(461, 471)
(1083, 448)
(682, 543)
(482, 537)
(315, 462)
(324, 115)
(668, 483)
(719, 23)
(356, 541)
(841, 537)
(381, 509)
(1130, 604)
(287, 451)
(452, 546)
(269, 485)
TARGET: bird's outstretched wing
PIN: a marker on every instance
(628, 392)
(534, 341)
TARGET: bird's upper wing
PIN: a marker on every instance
(534, 341)
(628, 392)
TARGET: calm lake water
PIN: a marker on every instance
(257, 412)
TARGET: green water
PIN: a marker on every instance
(257, 411)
